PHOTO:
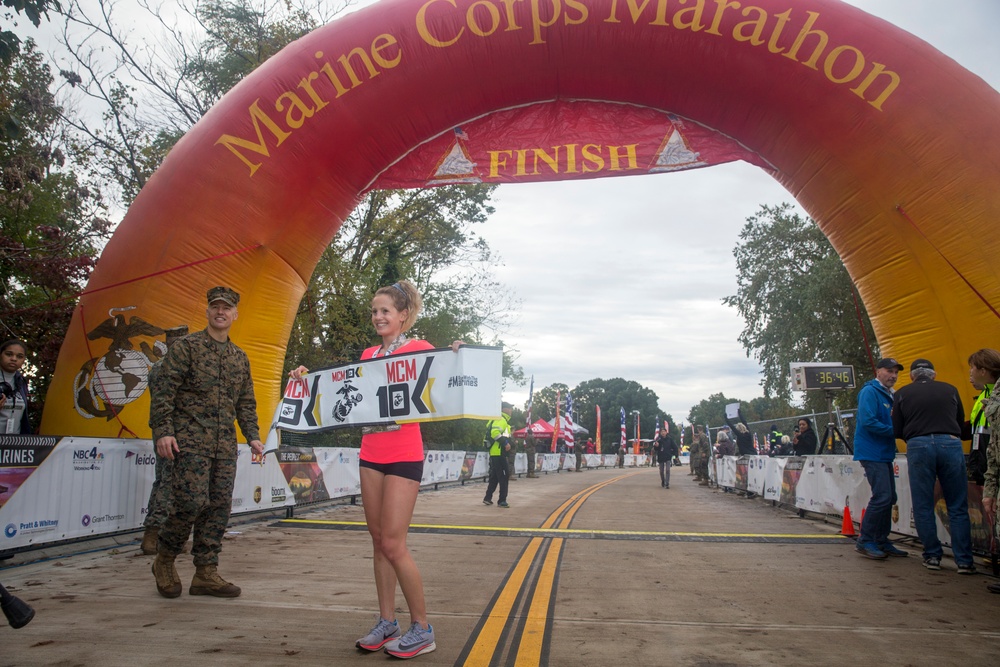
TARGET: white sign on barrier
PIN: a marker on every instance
(84, 487)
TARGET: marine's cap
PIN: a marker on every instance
(890, 363)
(506, 406)
(921, 363)
(223, 294)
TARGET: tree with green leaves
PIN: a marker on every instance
(33, 10)
(797, 300)
(611, 395)
(151, 92)
(52, 226)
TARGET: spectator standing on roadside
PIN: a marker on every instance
(724, 446)
(744, 439)
(666, 449)
(984, 369)
(13, 388)
(875, 449)
(805, 440)
(928, 415)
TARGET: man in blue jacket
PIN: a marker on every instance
(875, 449)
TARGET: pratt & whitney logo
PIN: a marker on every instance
(10, 530)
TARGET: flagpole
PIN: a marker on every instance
(555, 431)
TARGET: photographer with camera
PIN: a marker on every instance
(13, 389)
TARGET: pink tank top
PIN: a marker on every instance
(404, 445)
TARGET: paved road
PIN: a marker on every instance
(598, 568)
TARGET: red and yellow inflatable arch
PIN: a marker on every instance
(891, 146)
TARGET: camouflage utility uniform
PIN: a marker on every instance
(530, 450)
(701, 452)
(204, 387)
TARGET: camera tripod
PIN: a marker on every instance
(832, 436)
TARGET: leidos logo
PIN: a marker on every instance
(141, 459)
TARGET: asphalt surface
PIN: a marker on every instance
(599, 568)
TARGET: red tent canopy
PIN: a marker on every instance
(540, 429)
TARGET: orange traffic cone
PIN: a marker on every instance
(847, 527)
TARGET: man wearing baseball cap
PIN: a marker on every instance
(875, 449)
(928, 415)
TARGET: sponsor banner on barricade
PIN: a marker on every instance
(430, 385)
(85, 487)
(549, 462)
(827, 484)
(790, 480)
(757, 473)
(726, 470)
(742, 472)
(442, 466)
(520, 463)
(258, 486)
(773, 476)
(591, 460)
(567, 461)
(304, 473)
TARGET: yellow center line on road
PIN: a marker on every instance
(569, 532)
(530, 645)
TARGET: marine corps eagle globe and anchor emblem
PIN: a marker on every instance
(106, 384)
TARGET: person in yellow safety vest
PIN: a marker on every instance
(498, 439)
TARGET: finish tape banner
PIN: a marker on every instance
(429, 385)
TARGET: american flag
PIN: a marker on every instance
(656, 431)
(756, 445)
(570, 440)
(623, 427)
(531, 392)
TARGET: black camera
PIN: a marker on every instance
(6, 389)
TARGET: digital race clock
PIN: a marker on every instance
(822, 376)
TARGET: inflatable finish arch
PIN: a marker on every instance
(857, 119)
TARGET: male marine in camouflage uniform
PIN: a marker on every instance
(204, 385)
(158, 506)
(991, 483)
(531, 450)
(701, 452)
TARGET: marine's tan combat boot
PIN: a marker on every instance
(148, 546)
(207, 581)
(168, 582)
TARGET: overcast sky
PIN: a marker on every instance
(650, 310)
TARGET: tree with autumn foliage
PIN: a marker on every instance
(51, 226)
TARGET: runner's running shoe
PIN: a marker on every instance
(416, 641)
(383, 632)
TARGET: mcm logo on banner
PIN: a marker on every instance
(404, 388)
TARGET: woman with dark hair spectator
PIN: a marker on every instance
(805, 439)
(13, 388)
